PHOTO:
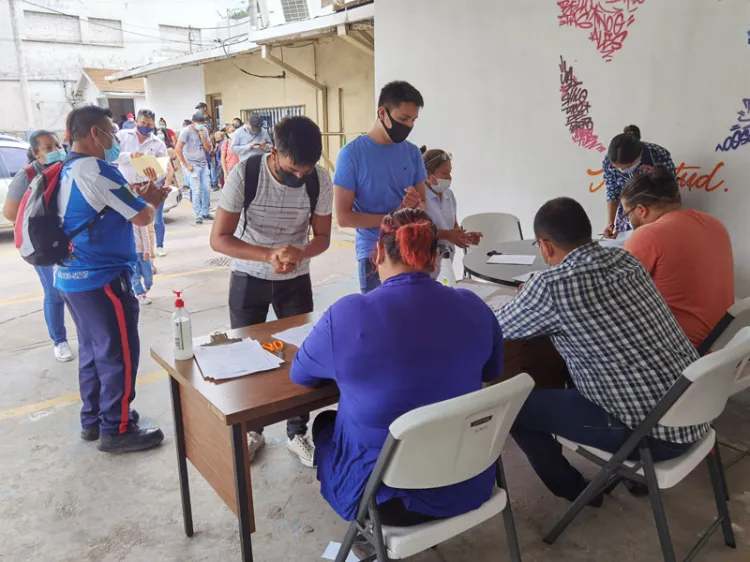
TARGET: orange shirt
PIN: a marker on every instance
(689, 256)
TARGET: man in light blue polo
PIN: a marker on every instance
(251, 139)
(379, 173)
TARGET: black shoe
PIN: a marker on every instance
(134, 440)
(636, 489)
(92, 433)
(199, 220)
(596, 501)
(208, 217)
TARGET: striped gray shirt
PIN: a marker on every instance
(279, 215)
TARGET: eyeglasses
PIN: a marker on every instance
(538, 241)
(443, 157)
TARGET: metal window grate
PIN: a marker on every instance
(272, 115)
(295, 10)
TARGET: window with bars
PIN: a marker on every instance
(269, 116)
(295, 10)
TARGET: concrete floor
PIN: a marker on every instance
(62, 500)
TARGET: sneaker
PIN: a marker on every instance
(135, 439)
(63, 353)
(303, 448)
(154, 271)
(160, 252)
(143, 299)
(255, 441)
(199, 220)
(208, 217)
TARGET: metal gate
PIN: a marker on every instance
(269, 116)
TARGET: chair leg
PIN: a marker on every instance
(377, 534)
(719, 485)
(656, 505)
(510, 525)
(724, 486)
(347, 543)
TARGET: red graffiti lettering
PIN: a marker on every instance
(575, 106)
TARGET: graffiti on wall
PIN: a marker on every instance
(607, 20)
(575, 106)
(690, 177)
(739, 132)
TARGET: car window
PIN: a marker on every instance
(12, 160)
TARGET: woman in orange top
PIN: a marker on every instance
(687, 253)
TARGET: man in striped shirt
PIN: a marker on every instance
(620, 342)
(268, 237)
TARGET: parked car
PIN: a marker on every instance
(13, 157)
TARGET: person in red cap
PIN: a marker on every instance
(129, 123)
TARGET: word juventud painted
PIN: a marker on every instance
(688, 176)
(608, 21)
(575, 106)
(740, 131)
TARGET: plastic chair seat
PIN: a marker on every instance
(668, 473)
(403, 542)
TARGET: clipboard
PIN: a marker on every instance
(147, 161)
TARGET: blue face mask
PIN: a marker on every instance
(199, 127)
(56, 156)
(113, 152)
(629, 171)
(145, 130)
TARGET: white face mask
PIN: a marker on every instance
(442, 185)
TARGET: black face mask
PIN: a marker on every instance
(288, 179)
(398, 131)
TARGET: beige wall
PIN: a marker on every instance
(330, 61)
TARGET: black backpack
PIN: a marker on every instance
(252, 176)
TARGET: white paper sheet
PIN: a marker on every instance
(512, 259)
(333, 549)
(482, 290)
(499, 301)
(295, 336)
(525, 277)
(220, 362)
(147, 161)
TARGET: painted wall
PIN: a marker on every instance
(54, 64)
(174, 94)
(335, 63)
(526, 95)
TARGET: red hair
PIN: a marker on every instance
(409, 236)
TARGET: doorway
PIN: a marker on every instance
(214, 102)
(120, 107)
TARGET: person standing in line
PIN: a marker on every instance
(379, 173)
(45, 150)
(129, 122)
(215, 161)
(251, 139)
(268, 237)
(135, 143)
(229, 159)
(627, 155)
(209, 121)
(143, 277)
(169, 132)
(192, 148)
(95, 280)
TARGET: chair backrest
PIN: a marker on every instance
(736, 318)
(743, 379)
(454, 440)
(496, 227)
(712, 382)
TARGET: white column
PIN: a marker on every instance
(23, 75)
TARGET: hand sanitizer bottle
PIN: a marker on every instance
(181, 329)
(446, 275)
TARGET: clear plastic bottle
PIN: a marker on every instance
(446, 276)
(182, 329)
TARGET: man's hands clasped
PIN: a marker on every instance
(285, 259)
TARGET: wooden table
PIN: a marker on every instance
(475, 262)
(211, 421)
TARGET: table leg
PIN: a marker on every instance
(244, 515)
(179, 433)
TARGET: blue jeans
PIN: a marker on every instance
(369, 280)
(54, 305)
(143, 275)
(216, 172)
(200, 192)
(568, 414)
(159, 226)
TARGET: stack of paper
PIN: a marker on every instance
(511, 259)
(229, 361)
(295, 336)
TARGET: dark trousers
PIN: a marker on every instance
(568, 414)
(108, 352)
(369, 280)
(392, 512)
(249, 299)
(537, 357)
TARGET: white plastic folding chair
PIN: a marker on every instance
(440, 445)
(496, 227)
(698, 396)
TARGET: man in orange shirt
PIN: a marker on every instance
(687, 253)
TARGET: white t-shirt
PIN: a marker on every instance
(443, 214)
(279, 215)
